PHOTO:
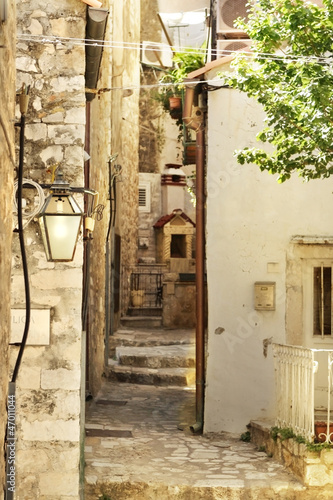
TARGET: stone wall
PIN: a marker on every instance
(114, 130)
(125, 129)
(99, 146)
(49, 380)
(178, 303)
(314, 468)
(7, 153)
(151, 114)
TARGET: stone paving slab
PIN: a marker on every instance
(161, 462)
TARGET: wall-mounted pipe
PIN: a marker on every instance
(195, 125)
(95, 30)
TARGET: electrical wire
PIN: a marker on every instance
(28, 213)
(52, 39)
(23, 254)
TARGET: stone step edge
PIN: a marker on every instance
(156, 361)
(136, 342)
(114, 365)
(135, 489)
(152, 376)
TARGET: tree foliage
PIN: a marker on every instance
(290, 74)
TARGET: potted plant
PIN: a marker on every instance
(171, 91)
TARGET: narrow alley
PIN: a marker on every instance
(139, 445)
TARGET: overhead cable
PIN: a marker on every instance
(55, 40)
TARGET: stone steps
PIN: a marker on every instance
(141, 321)
(182, 377)
(152, 357)
(173, 356)
(125, 490)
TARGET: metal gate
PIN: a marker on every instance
(145, 287)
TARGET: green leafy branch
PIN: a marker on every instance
(290, 76)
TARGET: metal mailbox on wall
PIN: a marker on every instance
(264, 295)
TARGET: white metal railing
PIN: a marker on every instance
(304, 386)
(294, 378)
(327, 434)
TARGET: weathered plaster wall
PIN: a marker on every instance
(250, 222)
(49, 381)
(7, 154)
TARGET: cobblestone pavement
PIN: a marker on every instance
(147, 456)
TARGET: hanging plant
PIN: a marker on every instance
(172, 82)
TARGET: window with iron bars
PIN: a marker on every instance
(322, 301)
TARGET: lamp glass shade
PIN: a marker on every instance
(60, 222)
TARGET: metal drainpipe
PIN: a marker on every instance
(200, 257)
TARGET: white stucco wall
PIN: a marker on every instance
(250, 222)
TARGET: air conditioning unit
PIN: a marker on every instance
(227, 12)
(156, 54)
(228, 47)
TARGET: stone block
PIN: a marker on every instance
(312, 458)
(68, 459)
(29, 377)
(26, 64)
(51, 61)
(76, 115)
(67, 84)
(52, 154)
(67, 404)
(59, 483)
(66, 134)
(286, 457)
(51, 430)
(67, 27)
(26, 483)
(61, 379)
(327, 457)
(49, 300)
(38, 457)
(56, 278)
(74, 156)
(35, 27)
(36, 132)
(38, 13)
(54, 118)
(317, 475)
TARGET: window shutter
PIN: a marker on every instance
(144, 196)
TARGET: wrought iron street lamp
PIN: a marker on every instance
(60, 221)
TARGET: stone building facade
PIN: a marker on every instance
(49, 383)
(60, 127)
(113, 131)
(7, 156)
